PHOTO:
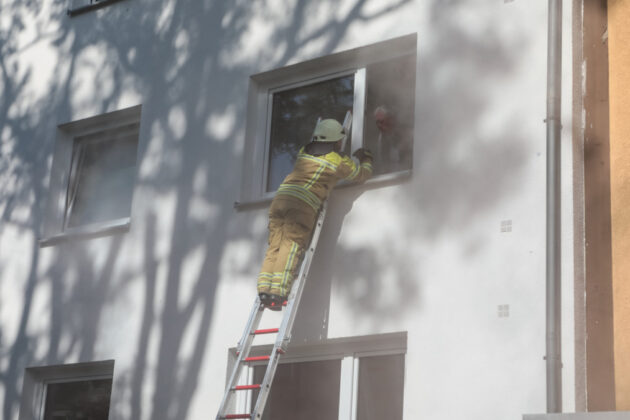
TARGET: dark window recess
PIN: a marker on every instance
(381, 382)
(389, 119)
(303, 391)
(294, 115)
(78, 400)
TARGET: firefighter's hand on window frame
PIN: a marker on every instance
(363, 154)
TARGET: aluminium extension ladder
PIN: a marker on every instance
(282, 339)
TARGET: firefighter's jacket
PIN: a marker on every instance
(293, 213)
(313, 177)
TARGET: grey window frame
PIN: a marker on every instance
(74, 178)
(55, 228)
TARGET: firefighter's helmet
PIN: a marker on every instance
(328, 131)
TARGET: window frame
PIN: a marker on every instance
(55, 227)
(358, 107)
(75, 174)
(264, 85)
(37, 379)
(349, 350)
(88, 6)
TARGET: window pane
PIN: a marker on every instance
(81, 400)
(391, 86)
(102, 185)
(293, 117)
(381, 388)
(303, 391)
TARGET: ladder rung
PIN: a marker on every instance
(267, 331)
(257, 358)
(246, 387)
(237, 416)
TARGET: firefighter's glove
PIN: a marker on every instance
(363, 155)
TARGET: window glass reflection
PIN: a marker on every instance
(79, 400)
(102, 179)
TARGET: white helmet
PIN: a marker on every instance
(328, 131)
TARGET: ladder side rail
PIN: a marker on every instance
(265, 386)
(243, 349)
(287, 321)
(284, 335)
(252, 324)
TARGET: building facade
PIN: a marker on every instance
(141, 143)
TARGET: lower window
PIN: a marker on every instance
(380, 387)
(83, 399)
(311, 390)
(304, 391)
(355, 378)
(67, 392)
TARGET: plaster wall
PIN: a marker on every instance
(166, 299)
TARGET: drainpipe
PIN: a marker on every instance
(553, 301)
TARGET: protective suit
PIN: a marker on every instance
(294, 209)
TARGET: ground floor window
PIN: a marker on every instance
(354, 378)
(67, 392)
(305, 391)
(380, 387)
(78, 399)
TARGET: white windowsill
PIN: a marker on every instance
(378, 180)
(88, 231)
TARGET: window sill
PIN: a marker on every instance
(89, 231)
(381, 180)
(90, 7)
(374, 182)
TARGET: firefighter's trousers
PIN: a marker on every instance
(291, 222)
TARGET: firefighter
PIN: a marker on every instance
(294, 209)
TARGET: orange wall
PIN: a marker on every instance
(619, 62)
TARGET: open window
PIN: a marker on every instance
(376, 83)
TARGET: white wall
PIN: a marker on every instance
(168, 298)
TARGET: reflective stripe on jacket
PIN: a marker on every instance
(313, 177)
